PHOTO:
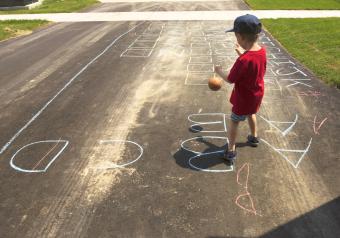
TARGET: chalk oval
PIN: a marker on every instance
(56, 142)
(139, 147)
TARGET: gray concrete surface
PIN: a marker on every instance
(91, 84)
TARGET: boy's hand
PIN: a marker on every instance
(218, 69)
(239, 49)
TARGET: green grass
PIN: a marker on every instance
(314, 42)
(55, 6)
(13, 28)
(294, 4)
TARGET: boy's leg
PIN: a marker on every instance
(252, 124)
(232, 134)
(252, 138)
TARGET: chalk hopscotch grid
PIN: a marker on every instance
(146, 50)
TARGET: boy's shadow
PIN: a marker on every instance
(213, 156)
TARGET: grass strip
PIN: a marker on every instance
(314, 42)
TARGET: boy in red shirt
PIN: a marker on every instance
(247, 76)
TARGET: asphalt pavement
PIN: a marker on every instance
(108, 129)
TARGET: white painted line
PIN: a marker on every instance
(114, 166)
(47, 166)
(63, 88)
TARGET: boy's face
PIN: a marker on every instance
(240, 40)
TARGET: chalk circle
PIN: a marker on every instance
(140, 148)
(202, 138)
(230, 169)
(48, 165)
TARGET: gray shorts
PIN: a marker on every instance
(237, 118)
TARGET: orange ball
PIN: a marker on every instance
(215, 83)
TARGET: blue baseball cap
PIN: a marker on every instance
(248, 24)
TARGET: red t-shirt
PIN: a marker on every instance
(247, 74)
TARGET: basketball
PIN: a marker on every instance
(215, 83)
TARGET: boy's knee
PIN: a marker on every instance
(237, 118)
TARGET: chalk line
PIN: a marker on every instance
(62, 89)
(48, 165)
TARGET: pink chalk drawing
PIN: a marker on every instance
(317, 128)
(251, 207)
(310, 93)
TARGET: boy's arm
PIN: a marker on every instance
(223, 75)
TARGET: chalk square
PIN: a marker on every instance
(143, 44)
(200, 51)
(200, 59)
(200, 45)
(147, 37)
(200, 68)
(194, 78)
(137, 53)
(197, 33)
(198, 39)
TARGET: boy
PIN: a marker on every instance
(247, 75)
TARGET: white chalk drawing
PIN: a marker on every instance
(282, 151)
(293, 70)
(198, 39)
(113, 165)
(200, 51)
(276, 124)
(264, 39)
(144, 44)
(143, 53)
(200, 154)
(200, 45)
(273, 49)
(198, 79)
(197, 33)
(274, 83)
(276, 56)
(277, 62)
(297, 82)
(34, 170)
(200, 68)
(267, 43)
(200, 59)
(222, 122)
